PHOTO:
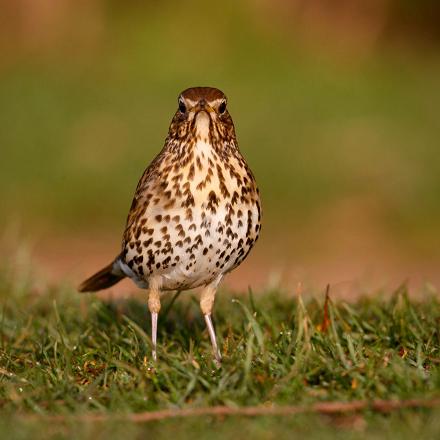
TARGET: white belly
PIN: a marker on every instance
(211, 248)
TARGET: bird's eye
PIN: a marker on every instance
(222, 107)
(182, 106)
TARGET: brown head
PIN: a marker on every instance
(199, 98)
(202, 112)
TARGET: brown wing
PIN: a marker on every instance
(145, 197)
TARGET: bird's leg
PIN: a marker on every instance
(206, 304)
(154, 307)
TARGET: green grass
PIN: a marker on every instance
(66, 354)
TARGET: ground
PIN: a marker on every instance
(67, 358)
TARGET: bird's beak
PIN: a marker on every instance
(202, 105)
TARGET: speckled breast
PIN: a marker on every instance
(201, 221)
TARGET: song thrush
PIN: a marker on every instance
(196, 211)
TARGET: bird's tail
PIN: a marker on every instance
(103, 279)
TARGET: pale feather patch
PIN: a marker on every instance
(202, 124)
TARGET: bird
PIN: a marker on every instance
(195, 215)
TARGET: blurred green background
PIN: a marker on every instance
(336, 107)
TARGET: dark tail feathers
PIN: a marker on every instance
(102, 280)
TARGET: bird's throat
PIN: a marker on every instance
(202, 125)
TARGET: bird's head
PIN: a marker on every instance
(202, 113)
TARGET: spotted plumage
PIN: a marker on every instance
(196, 212)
